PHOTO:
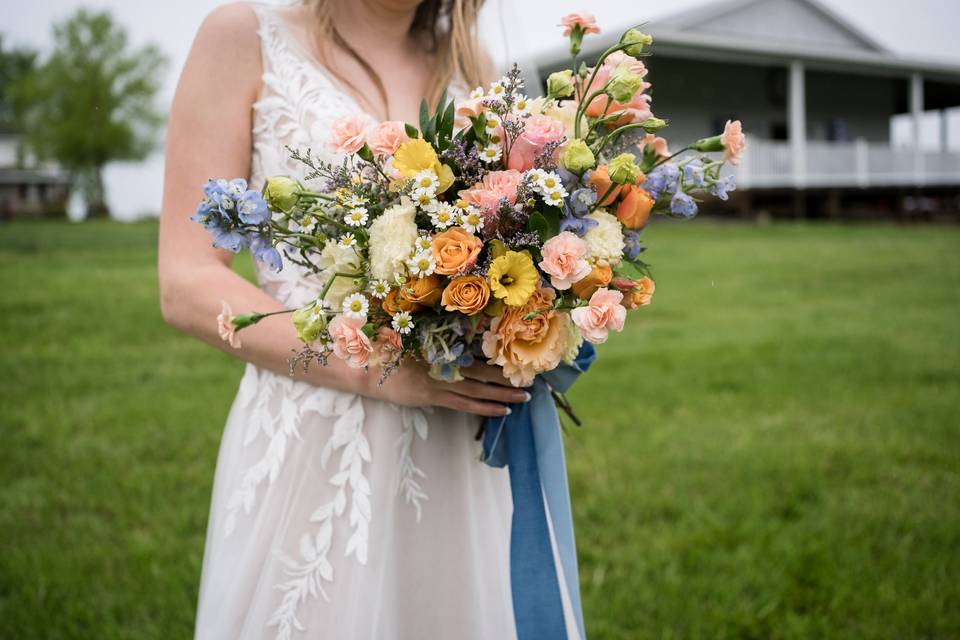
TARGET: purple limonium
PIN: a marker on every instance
(263, 251)
(631, 245)
(682, 204)
(580, 201)
(723, 186)
(578, 226)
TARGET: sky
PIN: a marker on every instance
(511, 30)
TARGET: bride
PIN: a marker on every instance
(341, 508)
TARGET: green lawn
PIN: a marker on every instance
(772, 449)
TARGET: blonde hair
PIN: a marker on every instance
(448, 29)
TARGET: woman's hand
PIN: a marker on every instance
(483, 391)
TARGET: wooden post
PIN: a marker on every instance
(797, 129)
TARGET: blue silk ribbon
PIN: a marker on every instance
(529, 442)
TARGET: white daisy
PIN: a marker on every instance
(535, 176)
(426, 180)
(522, 105)
(423, 243)
(356, 306)
(494, 138)
(422, 264)
(378, 289)
(356, 217)
(354, 201)
(476, 93)
(424, 199)
(348, 240)
(555, 197)
(442, 216)
(471, 220)
(498, 89)
(492, 123)
(403, 323)
(490, 153)
(548, 182)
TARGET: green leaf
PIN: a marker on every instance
(438, 112)
(365, 153)
(479, 128)
(552, 215)
(424, 118)
(411, 130)
(538, 223)
(447, 120)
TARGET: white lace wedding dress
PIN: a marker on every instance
(336, 516)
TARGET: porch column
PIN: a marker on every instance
(797, 128)
(916, 115)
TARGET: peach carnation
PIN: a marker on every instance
(603, 313)
(350, 343)
(528, 340)
(386, 137)
(734, 142)
(348, 134)
(228, 333)
(586, 22)
(564, 260)
(389, 346)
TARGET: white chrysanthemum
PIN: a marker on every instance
(356, 306)
(476, 93)
(426, 200)
(336, 258)
(402, 322)
(422, 264)
(490, 153)
(442, 216)
(378, 289)
(423, 243)
(471, 219)
(356, 217)
(348, 240)
(391, 237)
(604, 241)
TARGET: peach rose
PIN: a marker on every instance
(425, 291)
(564, 260)
(634, 210)
(637, 293)
(734, 142)
(637, 109)
(228, 333)
(455, 251)
(348, 134)
(603, 313)
(528, 340)
(466, 294)
(598, 277)
(586, 22)
(350, 343)
(494, 186)
(538, 131)
(395, 303)
(388, 347)
(386, 137)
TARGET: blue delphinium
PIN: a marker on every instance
(693, 173)
(662, 180)
(631, 245)
(578, 226)
(263, 251)
(580, 201)
(227, 207)
(252, 208)
(682, 204)
(723, 186)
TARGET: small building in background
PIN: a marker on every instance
(837, 123)
(29, 192)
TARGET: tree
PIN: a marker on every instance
(91, 102)
(14, 65)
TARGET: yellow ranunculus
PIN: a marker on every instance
(414, 156)
(513, 278)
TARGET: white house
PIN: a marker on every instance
(818, 97)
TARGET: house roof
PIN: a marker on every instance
(771, 31)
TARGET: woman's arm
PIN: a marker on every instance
(209, 135)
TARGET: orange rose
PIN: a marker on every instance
(600, 180)
(455, 251)
(528, 340)
(466, 294)
(634, 210)
(424, 291)
(394, 303)
(600, 276)
(641, 293)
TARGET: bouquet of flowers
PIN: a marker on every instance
(501, 227)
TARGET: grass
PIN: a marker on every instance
(772, 448)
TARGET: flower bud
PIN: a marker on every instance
(560, 84)
(713, 143)
(623, 169)
(308, 323)
(636, 40)
(651, 125)
(577, 157)
(624, 85)
(281, 193)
